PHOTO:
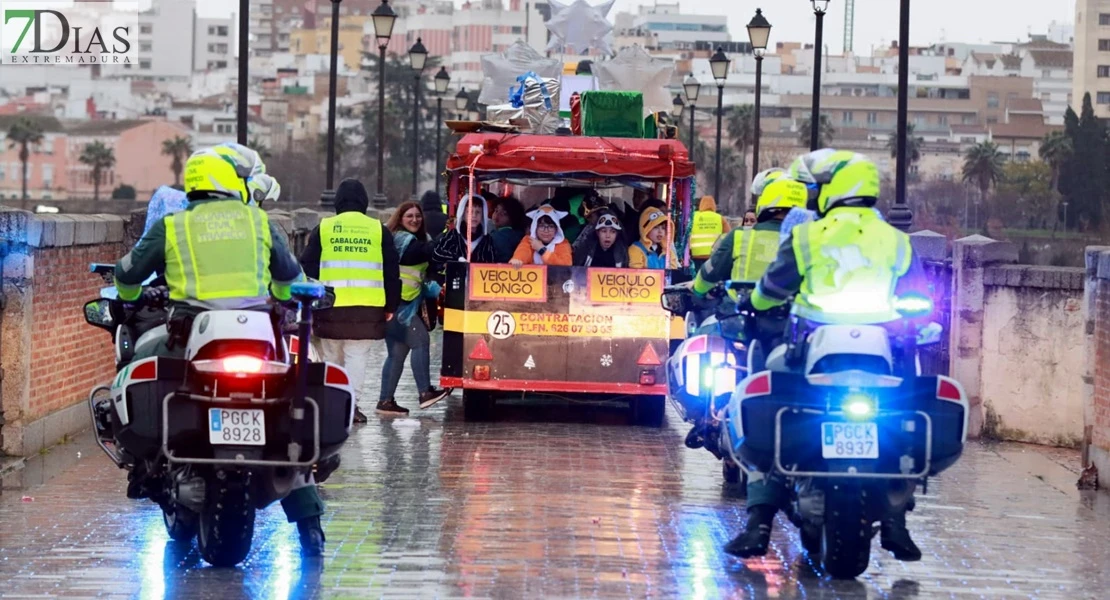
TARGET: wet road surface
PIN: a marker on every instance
(560, 501)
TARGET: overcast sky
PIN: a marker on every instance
(876, 20)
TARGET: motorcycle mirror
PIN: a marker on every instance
(328, 300)
(98, 313)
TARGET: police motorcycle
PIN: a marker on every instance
(703, 372)
(843, 413)
(231, 428)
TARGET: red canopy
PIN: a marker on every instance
(550, 155)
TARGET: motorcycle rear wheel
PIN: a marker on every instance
(181, 523)
(226, 528)
(846, 534)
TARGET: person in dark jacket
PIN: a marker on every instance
(601, 244)
(641, 201)
(511, 224)
(346, 331)
(435, 219)
(467, 245)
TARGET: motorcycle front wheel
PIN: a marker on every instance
(846, 533)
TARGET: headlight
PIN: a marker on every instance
(913, 306)
(858, 405)
(712, 371)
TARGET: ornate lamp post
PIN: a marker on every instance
(472, 112)
(462, 100)
(820, 7)
(383, 18)
(692, 88)
(677, 107)
(719, 65)
(900, 214)
(418, 58)
(329, 192)
(442, 79)
(759, 33)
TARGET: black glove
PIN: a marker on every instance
(153, 296)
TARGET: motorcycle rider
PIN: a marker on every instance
(221, 253)
(844, 268)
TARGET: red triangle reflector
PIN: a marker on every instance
(481, 351)
(648, 357)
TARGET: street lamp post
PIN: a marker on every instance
(677, 107)
(244, 63)
(418, 58)
(759, 33)
(442, 79)
(383, 18)
(820, 7)
(329, 193)
(472, 111)
(462, 100)
(900, 214)
(719, 65)
(692, 89)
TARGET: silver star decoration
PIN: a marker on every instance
(577, 27)
(501, 70)
(634, 70)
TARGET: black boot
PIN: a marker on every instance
(896, 538)
(312, 536)
(757, 533)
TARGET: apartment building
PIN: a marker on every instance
(1092, 54)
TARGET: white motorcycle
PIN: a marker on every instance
(232, 427)
(843, 413)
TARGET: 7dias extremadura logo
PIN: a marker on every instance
(64, 32)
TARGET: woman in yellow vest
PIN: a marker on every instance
(407, 333)
(354, 254)
(707, 227)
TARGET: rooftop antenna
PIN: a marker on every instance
(849, 25)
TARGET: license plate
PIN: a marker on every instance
(236, 427)
(849, 440)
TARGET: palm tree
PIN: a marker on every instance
(913, 147)
(983, 167)
(26, 135)
(741, 130)
(256, 144)
(825, 132)
(1056, 149)
(179, 148)
(99, 157)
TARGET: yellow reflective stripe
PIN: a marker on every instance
(128, 292)
(354, 283)
(261, 263)
(803, 252)
(351, 264)
(282, 291)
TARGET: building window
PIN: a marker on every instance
(942, 119)
(47, 176)
(221, 31)
(518, 30)
(144, 64)
(145, 46)
(847, 117)
(918, 121)
(1103, 98)
(1104, 71)
(1104, 18)
(992, 100)
(992, 120)
(1, 171)
(146, 29)
(872, 118)
(1104, 45)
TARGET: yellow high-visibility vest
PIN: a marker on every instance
(351, 259)
(707, 227)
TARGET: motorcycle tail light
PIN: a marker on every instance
(647, 377)
(759, 385)
(145, 371)
(336, 376)
(240, 366)
(481, 373)
(948, 389)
